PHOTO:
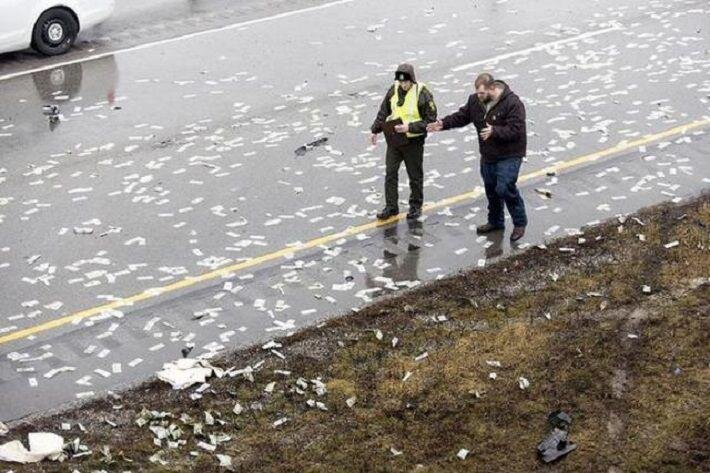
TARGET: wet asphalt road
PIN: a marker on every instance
(178, 159)
(135, 23)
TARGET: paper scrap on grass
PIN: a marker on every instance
(42, 445)
(185, 372)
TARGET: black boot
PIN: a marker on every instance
(414, 213)
(487, 228)
(386, 213)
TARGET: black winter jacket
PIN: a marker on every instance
(507, 117)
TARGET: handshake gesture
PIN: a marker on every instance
(438, 125)
(435, 126)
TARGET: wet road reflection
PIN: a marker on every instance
(74, 90)
(494, 245)
(401, 252)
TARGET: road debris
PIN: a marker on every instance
(53, 113)
(225, 461)
(302, 150)
(42, 445)
(523, 383)
(544, 193)
(556, 445)
(185, 372)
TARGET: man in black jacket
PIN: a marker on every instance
(412, 103)
(499, 117)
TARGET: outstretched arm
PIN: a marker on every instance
(458, 119)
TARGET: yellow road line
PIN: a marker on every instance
(233, 268)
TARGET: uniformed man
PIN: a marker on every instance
(412, 103)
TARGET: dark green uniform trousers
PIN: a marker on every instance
(413, 156)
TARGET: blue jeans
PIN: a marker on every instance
(499, 179)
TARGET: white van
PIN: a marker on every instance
(49, 26)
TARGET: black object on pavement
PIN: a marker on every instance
(301, 150)
(50, 110)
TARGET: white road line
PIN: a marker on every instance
(533, 49)
(177, 38)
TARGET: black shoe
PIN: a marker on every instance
(386, 213)
(414, 213)
(487, 228)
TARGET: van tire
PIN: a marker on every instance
(55, 32)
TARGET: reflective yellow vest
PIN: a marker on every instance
(409, 111)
